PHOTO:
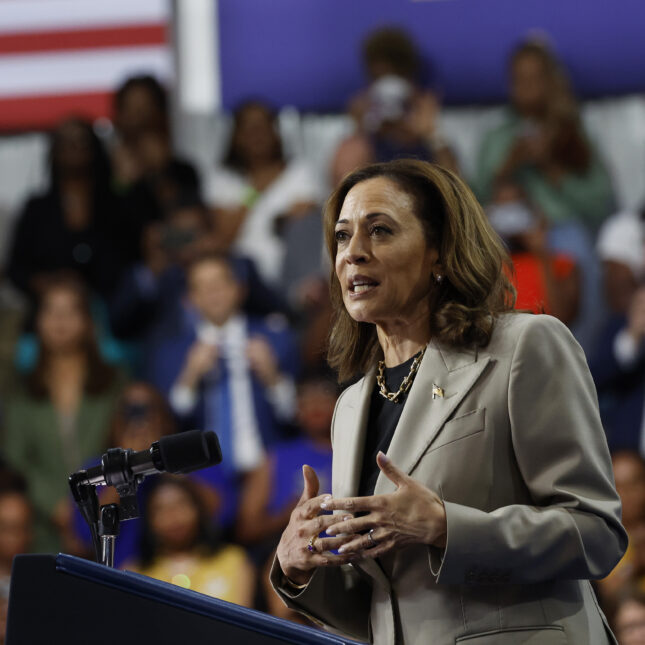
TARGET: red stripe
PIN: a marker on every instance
(70, 39)
(45, 111)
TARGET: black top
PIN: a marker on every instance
(383, 417)
(44, 244)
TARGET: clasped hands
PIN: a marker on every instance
(413, 514)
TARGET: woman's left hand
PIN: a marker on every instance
(413, 514)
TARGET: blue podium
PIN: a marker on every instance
(66, 600)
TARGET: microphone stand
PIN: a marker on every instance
(104, 521)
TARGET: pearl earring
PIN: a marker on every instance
(438, 278)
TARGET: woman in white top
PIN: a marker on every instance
(255, 187)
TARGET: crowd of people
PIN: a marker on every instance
(155, 300)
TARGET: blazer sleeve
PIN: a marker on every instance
(336, 598)
(572, 529)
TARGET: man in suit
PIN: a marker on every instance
(226, 371)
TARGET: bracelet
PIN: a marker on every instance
(294, 586)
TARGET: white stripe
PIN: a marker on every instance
(198, 53)
(81, 71)
(19, 16)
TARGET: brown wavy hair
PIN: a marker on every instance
(476, 285)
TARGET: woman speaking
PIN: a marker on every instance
(473, 495)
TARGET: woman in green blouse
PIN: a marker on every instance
(58, 417)
(541, 144)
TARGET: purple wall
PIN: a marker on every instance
(306, 52)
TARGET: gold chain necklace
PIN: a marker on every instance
(405, 384)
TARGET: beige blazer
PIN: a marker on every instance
(516, 450)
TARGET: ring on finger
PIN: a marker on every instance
(312, 542)
(370, 537)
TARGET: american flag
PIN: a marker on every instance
(61, 57)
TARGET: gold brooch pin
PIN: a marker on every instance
(437, 391)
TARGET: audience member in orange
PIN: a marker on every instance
(546, 282)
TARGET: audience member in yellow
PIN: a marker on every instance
(179, 545)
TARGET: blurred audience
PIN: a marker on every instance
(541, 144)
(192, 286)
(227, 371)
(618, 369)
(75, 224)
(58, 416)
(546, 282)
(629, 473)
(629, 618)
(272, 489)
(256, 191)
(12, 316)
(621, 249)
(140, 417)
(180, 545)
(396, 116)
(16, 520)
(151, 298)
(148, 176)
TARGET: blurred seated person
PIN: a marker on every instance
(227, 371)
(256, 188)
(148, 175)
(180, 545)
(59, 415)
(542, 145)
(546, 282)
(628, 622)
(629, 474)
(272, 489)
(140, 417)
(395, 115)
(151, 298)
(74, 225)
(621, 249)
(16, 520)
(618, 369)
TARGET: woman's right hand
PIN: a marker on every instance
(296, 560)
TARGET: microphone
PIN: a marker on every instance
(179, 453)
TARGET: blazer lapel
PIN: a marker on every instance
(349, 440)
(349, 443)
(455, 372)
